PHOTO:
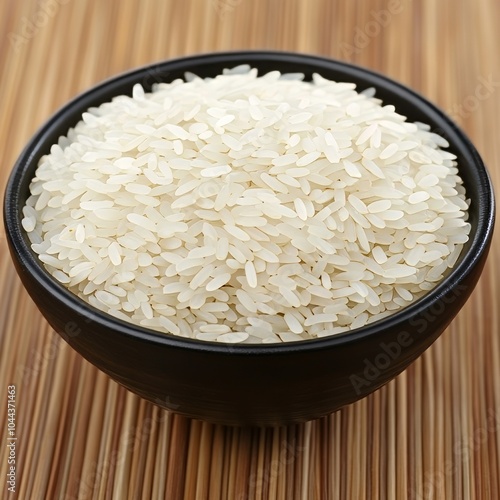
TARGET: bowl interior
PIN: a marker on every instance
(407, 102)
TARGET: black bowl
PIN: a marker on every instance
(253, 384)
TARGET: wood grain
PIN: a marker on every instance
(433, 433)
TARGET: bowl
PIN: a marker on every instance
(253, 384)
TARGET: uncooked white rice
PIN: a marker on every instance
(248, 209)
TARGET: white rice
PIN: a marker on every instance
(248, 209)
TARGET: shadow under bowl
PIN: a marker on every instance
(253, 384)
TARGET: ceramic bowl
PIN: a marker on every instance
(253, 384)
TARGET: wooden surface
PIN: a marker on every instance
(434, 432)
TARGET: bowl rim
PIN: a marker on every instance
(29, 263)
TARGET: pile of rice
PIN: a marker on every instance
(248, 209)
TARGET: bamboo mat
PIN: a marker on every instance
(433, 433)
